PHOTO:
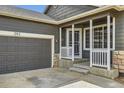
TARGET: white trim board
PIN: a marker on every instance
(30, 35)
(26, 35)
(60, 42)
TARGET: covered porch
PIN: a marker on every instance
(92, 38)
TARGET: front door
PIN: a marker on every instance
(77, 43)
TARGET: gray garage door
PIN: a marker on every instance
(19, 54)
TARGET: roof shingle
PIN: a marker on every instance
(23, 12)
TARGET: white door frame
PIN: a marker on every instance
(31, 35)
(80, 40)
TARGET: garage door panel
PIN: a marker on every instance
(10, 58)
(3, 48)
(19, 54)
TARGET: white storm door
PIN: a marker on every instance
(77, 43)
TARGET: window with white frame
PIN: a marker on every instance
(99, 37)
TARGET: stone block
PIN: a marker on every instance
(65, 63)
(115, 57)
(122, 61)
(121, 70)
(121, 52)
(115, 66)
(113, 73)
(117, 61)
(115, 52)
(56, 60)
(120, 56)
(121, 67)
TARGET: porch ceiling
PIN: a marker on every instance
(95, 17)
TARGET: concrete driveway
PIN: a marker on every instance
(50, 77)
(44, 78)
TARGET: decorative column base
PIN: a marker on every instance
(118, 60)
(56, 61)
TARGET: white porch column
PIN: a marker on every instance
(113, 32)
(108, 43)
(73, 42)
(91, 30)
(60, 42)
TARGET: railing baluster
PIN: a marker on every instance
(96, 58)
(93, 57)
(99, 58)
(102, 58)
(106, 58)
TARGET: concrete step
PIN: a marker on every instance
(77, 61)
(83, 60)
(84, 71)
(81, 66)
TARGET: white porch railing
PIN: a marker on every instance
(99, 57)
(66, 52)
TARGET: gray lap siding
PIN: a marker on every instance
(19, 54)
(17, 25)
(119, 32)
(65, 11)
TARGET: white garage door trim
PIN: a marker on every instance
(31, 35)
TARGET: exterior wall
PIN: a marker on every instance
(119, 32)
(17, 25)
(85, 53)
(118, 54)
(118, 60)
(59, 12)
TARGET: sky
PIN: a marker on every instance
(38, 8)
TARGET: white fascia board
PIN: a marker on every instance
(29, 18)
(32, 35)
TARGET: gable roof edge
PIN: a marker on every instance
(94, 11)
(46, 9)
(48, 6)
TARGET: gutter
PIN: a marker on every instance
(88, 13)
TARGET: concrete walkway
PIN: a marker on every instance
(48, 78)
(80, 84)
